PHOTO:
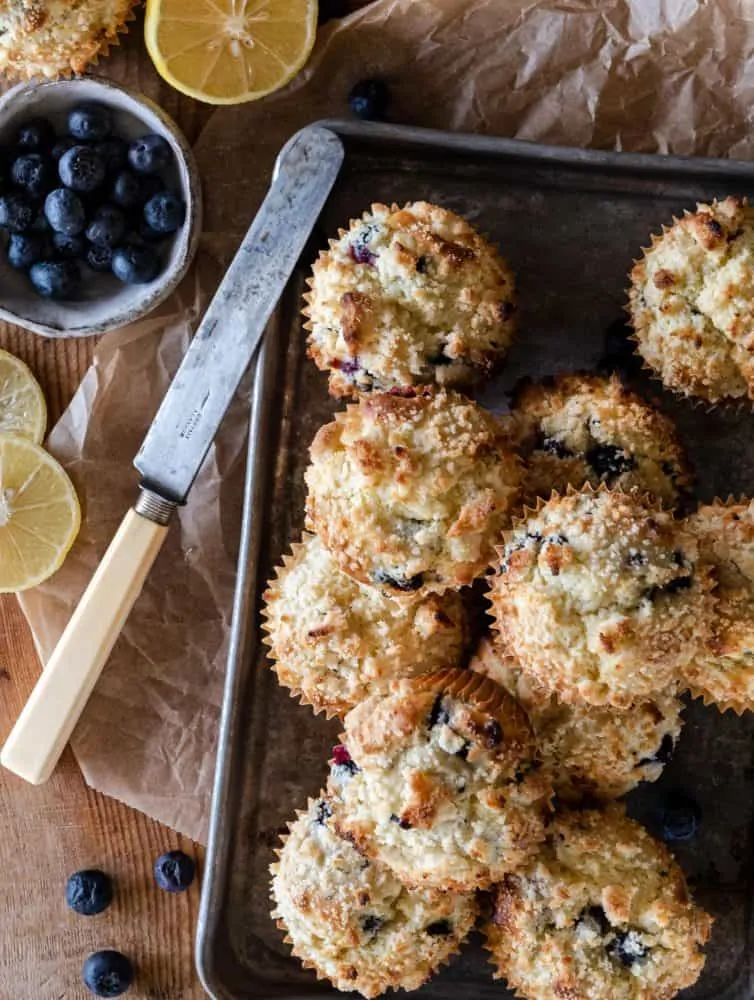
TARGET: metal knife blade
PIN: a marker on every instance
(223, 346)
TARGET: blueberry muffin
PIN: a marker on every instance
(50, 38)
(578, 429)
(599, 597)
(602, 913)
(591, 752)
(439, 780)
(692, 303)
(352, 921)
(335, 641)
(410, 491)
(725, 675)
(409, 296)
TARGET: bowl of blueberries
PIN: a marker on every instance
(100, 206)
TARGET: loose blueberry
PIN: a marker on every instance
(55, 279)
(107, 228)
(25, 249)
(150, 154)
(609, 461)
(108, 974)
(64, 210)
(34, 173)
(35, 135)
(72, 246)
(174, 871)
(680, 817)
(16, 212)
(126, 190)
(114, 152)
(89, 892)
(81, 169)
(440, 928)
(627, 948)
(90, 121)
(62, 146)
(99, 258)
(135, 265)
(165, 212)
(369, 99)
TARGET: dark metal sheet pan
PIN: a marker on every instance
(570, 222)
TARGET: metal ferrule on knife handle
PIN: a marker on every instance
(176, 445)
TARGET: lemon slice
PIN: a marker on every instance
(22, 404)
(229, 51)
(39, 514)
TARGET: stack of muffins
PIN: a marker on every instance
(479, 779)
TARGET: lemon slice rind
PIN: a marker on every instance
(23, 410)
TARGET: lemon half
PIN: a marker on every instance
(22, 404)
(229, 51)
(39, 514)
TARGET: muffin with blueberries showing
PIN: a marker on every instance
(87, 202)
(583, 428)
(409, 296)
(410, 491)
(351, 920)
(601, 598)
(602, 911)
(691, 303)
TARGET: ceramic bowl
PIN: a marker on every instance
(104, 303)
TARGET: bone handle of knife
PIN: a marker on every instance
(51, 713)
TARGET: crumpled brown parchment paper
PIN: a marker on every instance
(668, 76)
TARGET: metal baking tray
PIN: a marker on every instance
(570, 222)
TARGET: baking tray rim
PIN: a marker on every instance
(216, 869)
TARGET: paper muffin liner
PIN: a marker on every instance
(82, 57)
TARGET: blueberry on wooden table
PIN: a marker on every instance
(90, 121)
(174, 871)
(89, 892)
(679, 817)
(369, 99)
(82, 169)
(135, 265)
(35, 134)
(55, 279)
(150, 154)
(108, 974)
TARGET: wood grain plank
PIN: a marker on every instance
(48, 833)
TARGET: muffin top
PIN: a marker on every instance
(409, 296)
(439, 780)
(725, 675)
(602, 912)
(599, 597)
(410, 492)
(692, 302)
(580, 428)
(335, 641)
(591, 752)
(352, 921)
(57, 37)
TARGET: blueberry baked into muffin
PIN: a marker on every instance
(334, 642)
(599, 597)
(581, 428)
(410, 491)
(724, 675)
(352, 921)
(440, 781)
(409, 296)
(591, 752)
(692, 303)
(50, 38)
(601, 913)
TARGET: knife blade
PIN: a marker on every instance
(177, 443)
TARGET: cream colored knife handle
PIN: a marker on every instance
(46, 723)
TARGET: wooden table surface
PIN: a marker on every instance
(49, 832)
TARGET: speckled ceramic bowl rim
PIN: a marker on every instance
(189, 239)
